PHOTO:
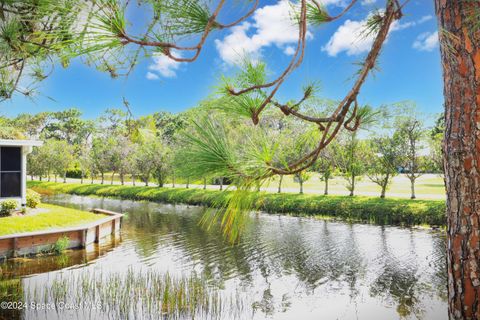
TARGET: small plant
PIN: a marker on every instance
(61, 245)
(33, 199)
(7, 207)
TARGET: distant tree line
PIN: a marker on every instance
(392, 140)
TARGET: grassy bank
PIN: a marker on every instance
(382, 211)
(47, 217)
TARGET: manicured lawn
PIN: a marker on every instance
(49, 217)
(359, 208)
(427, 186)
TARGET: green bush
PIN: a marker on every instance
(7, 206)
(61, 245)
(33, 199)
(75, 173)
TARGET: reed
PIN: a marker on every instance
(138, 294)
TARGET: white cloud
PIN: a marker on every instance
(426, 41)
(163, 66)
(289, 51)
(339, 3)
(349, 37)
(271, 25)
(152, 76)
(368, 2)
(425, 19)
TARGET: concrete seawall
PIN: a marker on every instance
(31, 243)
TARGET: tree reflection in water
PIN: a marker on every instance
(284, 263)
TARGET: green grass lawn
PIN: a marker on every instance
(427, 186)
(48, 217)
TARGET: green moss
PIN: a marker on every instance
(370, 209)
(49, 217)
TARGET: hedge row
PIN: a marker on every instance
(358, 208)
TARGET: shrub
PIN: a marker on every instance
(74, 173)
(8, 206)
(61, 245)
(33, 199)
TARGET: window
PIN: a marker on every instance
(10, 172)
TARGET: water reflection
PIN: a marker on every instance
(289, 267)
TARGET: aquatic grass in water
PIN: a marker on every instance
(149, 294)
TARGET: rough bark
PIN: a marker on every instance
(460, 50)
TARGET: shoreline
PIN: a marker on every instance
(392, 211)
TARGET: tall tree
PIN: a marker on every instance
(386, 157)
(351, 159)
(459, 24)
(410, 134)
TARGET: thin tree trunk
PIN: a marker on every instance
(204, 183)
(221, 183)
(352, 190)
(65, 177)
(133, 179)
(412, 188)
(301, 186)
(122, 178)
(55, 178)
(92, 179)
(188, 183)
(384, 186)
(280, 184)
(113, 175)
(461, 73)
(103, 178)
(325, 192)
(384, 190)
(81, 177)
(173, 181)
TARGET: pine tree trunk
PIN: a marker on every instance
(461, 73)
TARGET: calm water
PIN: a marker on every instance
(284, 267)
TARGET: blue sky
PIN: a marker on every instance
(410, 65)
